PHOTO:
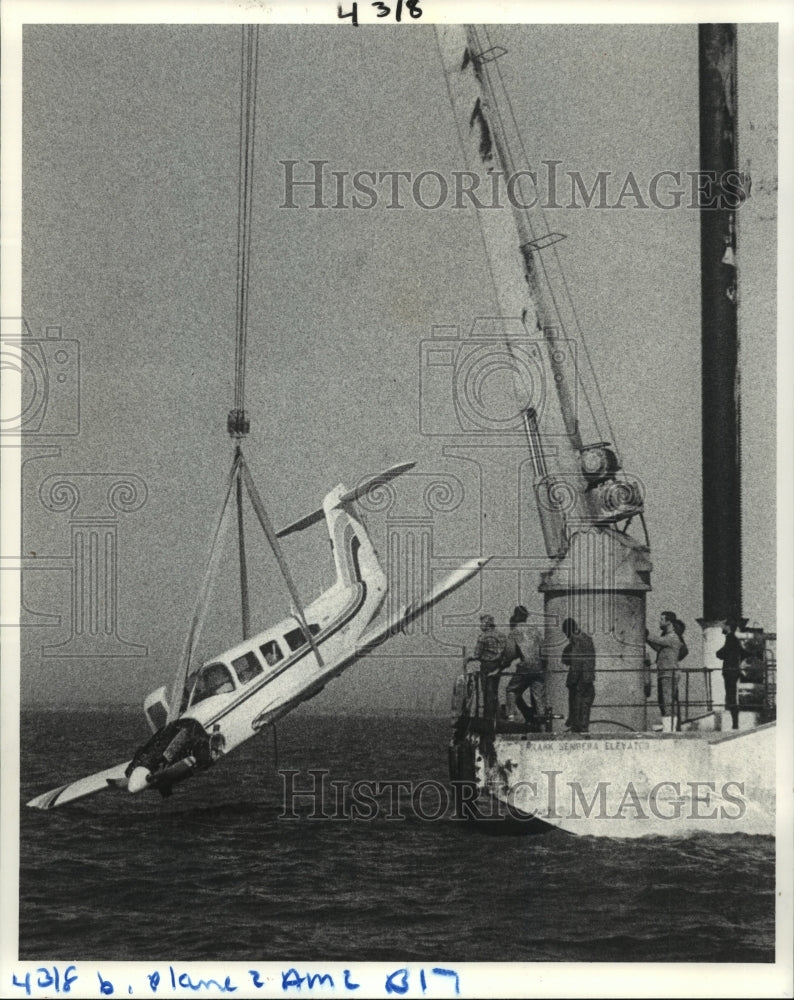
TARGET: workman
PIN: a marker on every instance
(731, 655)
(579, 657)
(523, 654)
(489, 650)
(669, 648)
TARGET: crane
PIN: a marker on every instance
(598, 573)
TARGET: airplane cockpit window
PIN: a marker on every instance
(296, 638)
(212, 679)
(271, 652)
(247, 666)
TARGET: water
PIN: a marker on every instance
(215, 873)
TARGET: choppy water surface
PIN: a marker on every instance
(216, 872)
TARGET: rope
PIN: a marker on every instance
(245, 603)
(203, 598)
(238, 426)
(275, 545)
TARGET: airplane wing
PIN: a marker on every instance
(112, 777)
(408, 613)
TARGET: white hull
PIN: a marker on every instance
(629, 785)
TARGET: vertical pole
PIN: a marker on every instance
(722, 550)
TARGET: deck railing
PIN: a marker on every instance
(756, 693)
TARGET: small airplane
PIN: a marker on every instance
(233, 696)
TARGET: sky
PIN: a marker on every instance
(130, 145)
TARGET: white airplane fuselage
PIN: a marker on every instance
(234, 695)
(341, 614)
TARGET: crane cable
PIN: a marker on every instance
(238, 424)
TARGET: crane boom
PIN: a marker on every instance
(585, 486)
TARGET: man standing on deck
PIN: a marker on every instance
(731, 655)
(579, 657)
(523, 652)
(488, 650)
(668, 651)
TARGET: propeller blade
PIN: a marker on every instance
(379, 480)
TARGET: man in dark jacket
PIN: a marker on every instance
(731, 655)
(579, 657)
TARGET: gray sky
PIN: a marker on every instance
(130, 215)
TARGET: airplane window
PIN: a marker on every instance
(271, 653)
(247, 666)
(295, 639)
(212, 679)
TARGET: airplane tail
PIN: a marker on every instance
(355, 557)
(379, 480)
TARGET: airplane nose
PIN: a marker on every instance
(138, 780)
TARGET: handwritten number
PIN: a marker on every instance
(351, 14)
(384, 10)
(452, 974)
(25, 983)
(154, 980)
(397, 982)
(47, 978)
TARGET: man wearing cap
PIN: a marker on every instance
(489, 650)
(524, 655)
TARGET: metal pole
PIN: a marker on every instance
(722, 551)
